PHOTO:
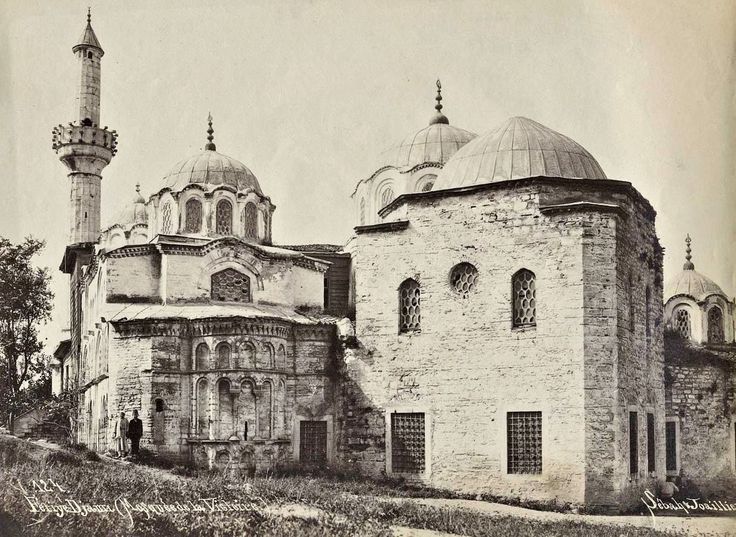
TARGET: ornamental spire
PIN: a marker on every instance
(439, 117)
(89, 15)
(210, 145)
(688, 264)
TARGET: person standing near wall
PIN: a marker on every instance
(135, 432)
(120, 435)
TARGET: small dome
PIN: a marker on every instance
(435, 143)
(211, 168)
(517, 149)
(132, 213)
(691, 283)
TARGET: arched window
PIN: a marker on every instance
(203, 422)
(250, 221)
(426, 182)
(715, 325)
(362, 211)
(682, 322)
(524, 291)
(193, 210)
(230, 285)
(202, 357)
(223, 356)
(387, 196)
(409, 302)
(117, 240)
(225, 408)
(166, 218)
(267, 218)
(462, 278)
(224, 218)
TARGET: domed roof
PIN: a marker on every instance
(435, 143)
(211, 168)
(132, 213)
(519, 148)
(691, 283)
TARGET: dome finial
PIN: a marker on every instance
(688, 264)
(138, 187)
(439, 117)
(210, 145)
(89, 15)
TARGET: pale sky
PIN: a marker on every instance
(308, 94)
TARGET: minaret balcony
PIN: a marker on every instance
(73, 142)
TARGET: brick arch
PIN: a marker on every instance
(265, 359)
(249, 266)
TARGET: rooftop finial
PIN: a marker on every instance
(138, 187)
(89, 15)
(439, 117)
(210, 146)
(688, 264)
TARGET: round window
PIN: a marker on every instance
(462, 278)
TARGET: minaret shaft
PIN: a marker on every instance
(88, 96)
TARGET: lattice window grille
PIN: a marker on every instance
(525, 302)
(682, 322)
(250, 221)
(313, 442)
(462, 278)
(407, 443)
(524, 437)
(193, 222)
(223, 217)
(409, 307)
(715, 325)
(387, 196)
(166, 218)
(362, 211)
(230, 285)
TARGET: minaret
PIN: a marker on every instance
(83, 146)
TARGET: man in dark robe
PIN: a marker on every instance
(135, 431)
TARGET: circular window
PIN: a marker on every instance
(462, 278)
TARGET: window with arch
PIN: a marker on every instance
(462, 278)
(267, 225)
(409, 306)
(362, 211)
(193, 210)
(202, 356)
(523, 285)
(224, 217)
(426, 182)
(203, 419)
(166, 221)
(682, 322)
(223, 356)
(229, 285)
(387, 196)
(715, 325)
(250, 221)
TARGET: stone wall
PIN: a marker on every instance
(700, 386)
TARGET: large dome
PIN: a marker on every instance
(211, 168)
(132, 213)
(693, 284)
(519, 148)
(435, 143)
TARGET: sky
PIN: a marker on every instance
(309, 94)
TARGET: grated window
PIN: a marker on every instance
(682, 322)
(463, 277)
(387, 196)
(313, 442)
(224, 217)
(409, 314)
(362, 211)
(230, 285)
(715, 325)
(524, 442)
(524, 295)
(250, 221)
(194, 216)
(407, 443)
(166, 218)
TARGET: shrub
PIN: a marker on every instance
(62, 457)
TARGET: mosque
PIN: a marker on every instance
(494, 325)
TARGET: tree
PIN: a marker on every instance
(25, 304)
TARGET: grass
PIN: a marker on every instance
(345, 505)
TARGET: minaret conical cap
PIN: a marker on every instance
(88, 39)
